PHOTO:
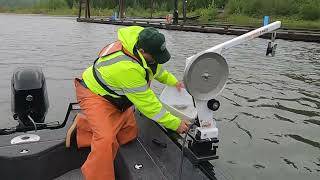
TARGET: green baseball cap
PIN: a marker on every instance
(154, 43)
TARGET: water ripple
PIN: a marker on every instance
(290, 163)
(283, 118)
(270, 140)
(313, 121)
(304, 140)
(243, 129)
(297, 111)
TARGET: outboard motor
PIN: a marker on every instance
(29, 103)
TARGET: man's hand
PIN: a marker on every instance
(183, 128)
(179, 85)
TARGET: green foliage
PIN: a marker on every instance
(57, 4)
(303, 9)
(104, 4)
(293, 13)
(101, 12)
(17, 3)
(310, 11)
(69, 3)
(257, 22)
(207, 14)
(137, 12)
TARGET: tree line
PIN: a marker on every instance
(297, 9)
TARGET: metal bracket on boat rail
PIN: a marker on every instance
(40, 126)
(205, 77)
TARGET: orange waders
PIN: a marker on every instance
(103, 127)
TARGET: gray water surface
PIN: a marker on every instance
(269, 120)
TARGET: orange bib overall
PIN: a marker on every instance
(102, 126)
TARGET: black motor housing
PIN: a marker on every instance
(29, 95)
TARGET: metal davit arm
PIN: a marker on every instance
(220, 48)
(205, 77)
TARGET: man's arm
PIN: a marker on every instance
(149, 105)
(138, 92)
(165, 77)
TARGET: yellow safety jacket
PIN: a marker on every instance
(123, 70)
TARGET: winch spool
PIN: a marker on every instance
(206, 76)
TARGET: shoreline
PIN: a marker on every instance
(285, 34)
(233, 20)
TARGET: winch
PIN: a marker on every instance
(205, 77)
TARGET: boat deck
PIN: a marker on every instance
(49, 159)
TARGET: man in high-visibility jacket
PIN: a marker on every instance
(119, 78)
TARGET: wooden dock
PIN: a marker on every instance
(286, 34)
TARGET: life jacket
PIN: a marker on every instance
(123, 102)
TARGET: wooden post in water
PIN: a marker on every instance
(87, 11)
(121, 8)
(175, 12)
(151, 8)
(89, 14)
(184, 10)
(80, 7)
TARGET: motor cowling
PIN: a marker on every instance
(29, 96)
